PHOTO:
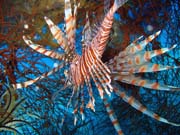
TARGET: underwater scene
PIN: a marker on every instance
(89, 67)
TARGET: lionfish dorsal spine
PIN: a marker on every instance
(70, 20)
(100, 40)
(57, 34)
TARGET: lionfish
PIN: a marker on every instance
(83, 68)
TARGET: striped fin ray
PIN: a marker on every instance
(110, 112)
(103, 70)
(99, 41)
(42, 50)
(112, 116)
(107, 77)
(136, 47)
(76, 5)
(146, 67)
(57, 34)
(76, 103)
(95, 67)
(82, 103)
(100, 90)
(120, 58)
(142, 57)
(78, 72)
(138, 106)
(30, 82)
(139, 62)
(102, 79)
(125, 69)
(94, 77)
(138, 81)
(124, 53)
(104, 75)
(72, 95)
(88, 84)
(91, 102)
(69, 19)
(96, 74)
(101, 67)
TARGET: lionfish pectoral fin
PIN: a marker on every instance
(136, 47)
(146, 67)
(126, 52)
(42, 50)
(173, 88)
(138, 106)
(30, 82)
(25, 84)
(70, 23)
(57, 34)
(141, 58)
(142, 82)
(154, 53)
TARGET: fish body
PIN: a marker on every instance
(89, 66)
